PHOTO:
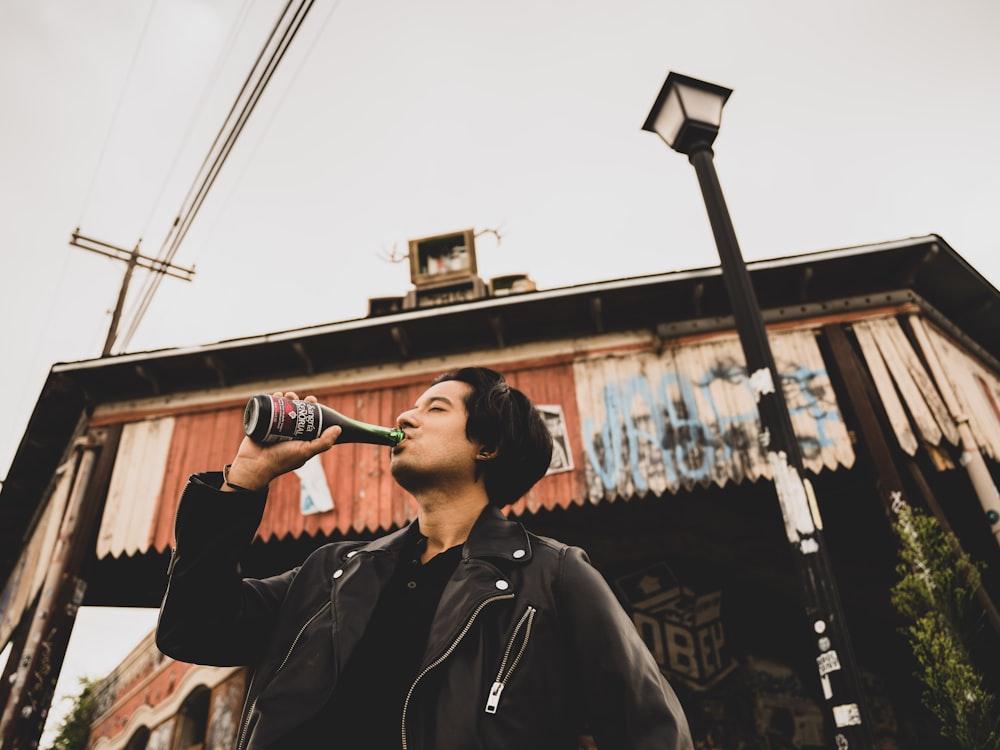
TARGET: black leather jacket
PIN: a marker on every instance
(528, 644)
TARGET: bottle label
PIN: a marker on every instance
(308, 420)
(293, 420)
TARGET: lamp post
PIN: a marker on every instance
(686, 115)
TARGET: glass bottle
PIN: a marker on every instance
(271, 419)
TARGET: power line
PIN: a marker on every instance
(229, 116)
(211, 79)
(277, 108)
(152, 284)
(204, 181)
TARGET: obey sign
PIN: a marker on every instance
(682, 630)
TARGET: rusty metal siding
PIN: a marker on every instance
(204, 441)
(551, 382)
(366, 499)
(636, 421)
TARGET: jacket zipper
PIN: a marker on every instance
(454, 644)
(498, 685)
(253, 705)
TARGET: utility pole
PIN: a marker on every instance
(132, 258)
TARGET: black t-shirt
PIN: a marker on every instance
(366, 709)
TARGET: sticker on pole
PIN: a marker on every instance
(828, 662)
(847, 715)
(761, 382)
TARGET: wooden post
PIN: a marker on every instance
(32, 689)
(132, 258)
(17, 641)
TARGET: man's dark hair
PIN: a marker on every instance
(504, 419)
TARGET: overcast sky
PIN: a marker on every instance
(851, 123)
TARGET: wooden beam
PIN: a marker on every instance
(32, 690)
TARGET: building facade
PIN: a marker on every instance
(889, 365)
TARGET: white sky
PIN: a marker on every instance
(851, 123)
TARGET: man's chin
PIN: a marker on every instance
(402, 473)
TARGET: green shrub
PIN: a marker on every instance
(935, 597)
(74, 729)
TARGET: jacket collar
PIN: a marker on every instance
(492, 535)
(397, 540)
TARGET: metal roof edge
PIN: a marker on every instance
(494, 303)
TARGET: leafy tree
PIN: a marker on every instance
(936, 587)
(74, 729)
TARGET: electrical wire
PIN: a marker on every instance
(185, 217)
(270, 120)
(183, 221)
(153, 281)
(229, 116)
(210, 81)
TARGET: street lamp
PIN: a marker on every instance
(686, 115)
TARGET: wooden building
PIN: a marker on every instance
(890, 361)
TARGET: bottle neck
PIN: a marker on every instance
(356, 431)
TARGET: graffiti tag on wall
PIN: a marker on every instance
(688, 416)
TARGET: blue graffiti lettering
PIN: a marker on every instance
(604, 449)
(647, 430)
(690, 438)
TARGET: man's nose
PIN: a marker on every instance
(405, 419)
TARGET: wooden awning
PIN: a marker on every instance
(914, 400)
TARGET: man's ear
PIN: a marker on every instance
(487, 454)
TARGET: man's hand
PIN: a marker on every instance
(256, 465)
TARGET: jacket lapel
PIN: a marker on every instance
(494, 544)
(357, 585)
